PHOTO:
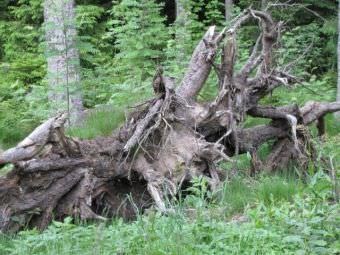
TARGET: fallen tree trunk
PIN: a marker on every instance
(163, 144)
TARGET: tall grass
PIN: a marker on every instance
(277, 188)
(237, 194)
(240, 192)
(99, 122)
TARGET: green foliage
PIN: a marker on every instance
(214, 12)
(303, 46)
(314, 89)
(96, 54)
(10, 119)
(140, 35)
(28, 11)
(94, 49)
(188, 30)
(21, 66)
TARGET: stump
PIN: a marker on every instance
(165, 143)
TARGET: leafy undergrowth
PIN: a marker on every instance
(271, 215)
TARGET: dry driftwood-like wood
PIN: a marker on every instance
(165, 143)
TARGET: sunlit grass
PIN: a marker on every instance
(277, 188)
(99, 122)
(237, 194)
(240, 192)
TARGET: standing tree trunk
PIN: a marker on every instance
(264, 4)
(337, 114)
(182, 33)
(228, 9)
(179, 10)
(63, 65)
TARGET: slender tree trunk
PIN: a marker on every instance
(337, 114)
(228, 9)
(180, 17)
(182, 33)
(264, 4)
(63, 66)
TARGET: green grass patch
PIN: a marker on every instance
(237, 194)
(99, 122)
(306, 223)
(241, 192)
(277, 188)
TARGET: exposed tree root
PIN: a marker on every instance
(164, 143)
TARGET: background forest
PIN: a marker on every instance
(121, 43)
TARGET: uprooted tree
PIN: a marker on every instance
(165, 142)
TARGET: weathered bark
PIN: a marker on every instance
(182, 34)
(181, 15)
(228, 9)
(63, 58)
(164, 144)
(199, 66)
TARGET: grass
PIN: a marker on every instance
(99, 122)
(237, 194)
(277, 188)
(299, 222)
(242, 192)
